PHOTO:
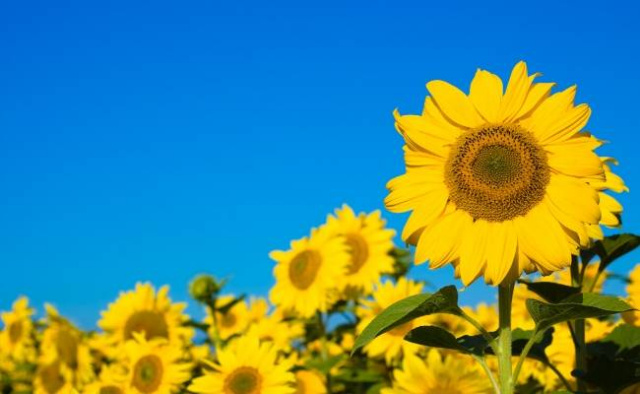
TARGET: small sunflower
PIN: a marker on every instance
(232, 322)
(499, 182)
(280, 333)
(246, 367)
(308, 273)
(50, 379)
(391, 344)
(309, 382)
(452, 374)
(16, 339)
(369, 244)
(65, 345)
(112, 380)
(154, 366)
(144, 310)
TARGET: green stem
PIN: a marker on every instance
(215, 335)
(505, 295)
(487, 370)
(579, 327)
(490, 339)
(523, 354)
(559, 374)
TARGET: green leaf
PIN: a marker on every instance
(520, 338)
(579, 306)
(551, 292)
(611, 248)
(444, 300)
(324, 366)
(227, 307)
(438, 337)
(625, 336)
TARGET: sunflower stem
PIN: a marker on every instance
(505, 295)
(486, 334)
(579, 328)
(215, 335)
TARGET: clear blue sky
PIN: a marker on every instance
(156, 140)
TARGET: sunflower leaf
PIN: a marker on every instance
(520, 338)
(551, 292)
(444, 300)
(579, 306)
(438, 337)
(611, 248)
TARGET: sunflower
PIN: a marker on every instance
(65, 346)
(16, 339)
(277, 331)
(50, 379)
(112, 381)
(309, 382)
(154, 366)
(498, 183)
(391, 345)
(369, 245)
(232, 322)
(246, 367)
(452, 374)
(144, 310)
(307, 274)
(633, 292)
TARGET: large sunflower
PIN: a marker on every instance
(369, 245)
(154, 366)
(16, 340)
(452, 374)
(246, 367)
(499, 182)
(307, 274)
(391, 344)
(144, 310)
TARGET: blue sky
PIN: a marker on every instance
(156, 140)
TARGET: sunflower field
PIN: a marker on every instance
(502, 183)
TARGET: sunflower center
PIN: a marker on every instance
(67, 347)
(497, 172)
(244, 380)
(359, 252)
(147, 374)
(151, 323)
(304, 268)
(228, 320)
(110, 390)
(51, 378)
(15, 331)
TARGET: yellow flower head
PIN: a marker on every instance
(277, 331)
(50, 379)
(309, 382)
(16, 341)
(112, 381)
(246, 367)
(143, 310)
(391, 344)
(499, 182)
(453, 374)
(154, 366)
(633, 292)
(232, 322)
(308, 274)
(369, 244)
(65, 346)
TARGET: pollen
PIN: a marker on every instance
(497, 172)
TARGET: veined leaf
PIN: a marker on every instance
(551, 292)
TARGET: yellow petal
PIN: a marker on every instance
(408, 190)
(549, 112)
(454, 104)
(576, 198)
(439, 243)
(437, 120)
(419, 158)
(416, 129)
(537, 93)
(486, 94)
(566, 126)
(473, 251)
(575, 162)
(516, 94)
(426, 212)
(501, 251)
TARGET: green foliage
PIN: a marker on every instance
(611, 248)
(579, 306)
(438, 337)
(444, 300)
(551, 292)
(541, 341)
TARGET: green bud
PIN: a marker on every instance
(204, 287)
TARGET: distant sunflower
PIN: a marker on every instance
(16, 339)
(246, 367)
(390, 345)
(232, 322)
(308, 273)
(498, 182)
(154, 366)
(64, 345)
(50, 379)
(452, 374)
(369, 244)
(280, 333)
(633, 296)
(144, 310)
(309, 382)
(112, 380)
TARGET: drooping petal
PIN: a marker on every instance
(426, 212)
(473, 251)
(574, 197)
(500, 252)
